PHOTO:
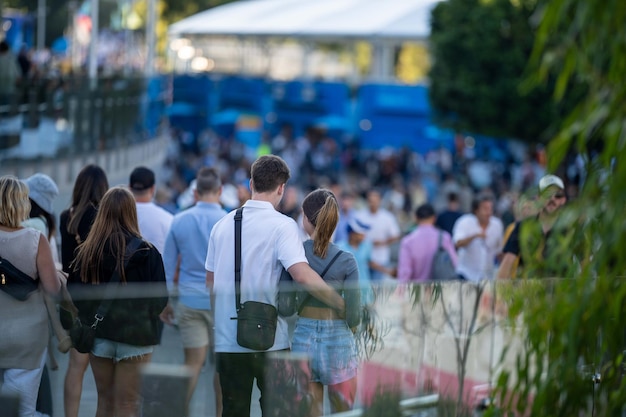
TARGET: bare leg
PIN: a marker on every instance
(194, 360)
(104, 374)
(317, 392)
(73, 386)
(127, 391)
(341, 396)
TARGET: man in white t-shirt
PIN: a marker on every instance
(154, 221)
(269, 242)
(478, 240)
(384, 231)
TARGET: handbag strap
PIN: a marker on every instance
(439, 244)
(332, 261)
(238, 217)
(111, 289)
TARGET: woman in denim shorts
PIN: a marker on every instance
(320, 331)
(126, 336)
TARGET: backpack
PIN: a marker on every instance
(442, 269)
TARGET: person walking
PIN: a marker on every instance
(478, 240)
(270, 241)
(418, 248)
(359, 246)
(126, 336)
(541, 244)
(321, 333)
(75, 223)
(42, 191)
(449, 216)
(23, 324)
(384, 231)
(154, 221)
(185, 251)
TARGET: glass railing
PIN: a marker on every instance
(425, 349)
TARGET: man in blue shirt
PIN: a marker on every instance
(185, 252)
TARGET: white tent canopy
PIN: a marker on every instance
(393, 20)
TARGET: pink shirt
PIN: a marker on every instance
(417, 250)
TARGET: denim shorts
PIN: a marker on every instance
(331, 349)
(104, 348)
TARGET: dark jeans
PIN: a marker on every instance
(237, 373)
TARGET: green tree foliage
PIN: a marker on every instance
(480, 51)
(575, 327)
(176, 10)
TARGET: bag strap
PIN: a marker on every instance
(238, 217)
(332, 261)
(439, 244)
(111, 289)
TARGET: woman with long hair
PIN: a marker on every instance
(320, 332)
(23, 324)
(90, 186)
(126, 336)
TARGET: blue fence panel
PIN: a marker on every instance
(193, 101)
(397, 116)
(317, 103)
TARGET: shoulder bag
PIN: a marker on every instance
(256, 321)
(16, 283)
(289, 300)
(442, 267)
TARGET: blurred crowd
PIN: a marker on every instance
(405, 179)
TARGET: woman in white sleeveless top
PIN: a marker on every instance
(23, 324)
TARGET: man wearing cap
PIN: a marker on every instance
(154, 221)
(418, 248)
(535, 238)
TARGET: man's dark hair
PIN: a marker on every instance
(425, 211)
(453, 197)
(479, 200)
(207, 180)
(268, 173)
(4, 46)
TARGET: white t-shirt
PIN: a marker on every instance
(154, 224)
(269, 242)
(477, 259)
(383, 226)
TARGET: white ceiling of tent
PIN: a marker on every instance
(314, 19)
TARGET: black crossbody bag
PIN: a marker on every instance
(14, 282)
(256, 321)
(83, 335)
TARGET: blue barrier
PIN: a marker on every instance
(311, 103)
(380, 115)
(397, 116)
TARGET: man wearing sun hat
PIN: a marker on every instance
(536, 239)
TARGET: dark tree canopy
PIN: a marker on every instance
(480, 55)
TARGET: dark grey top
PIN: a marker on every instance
(343, 275)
